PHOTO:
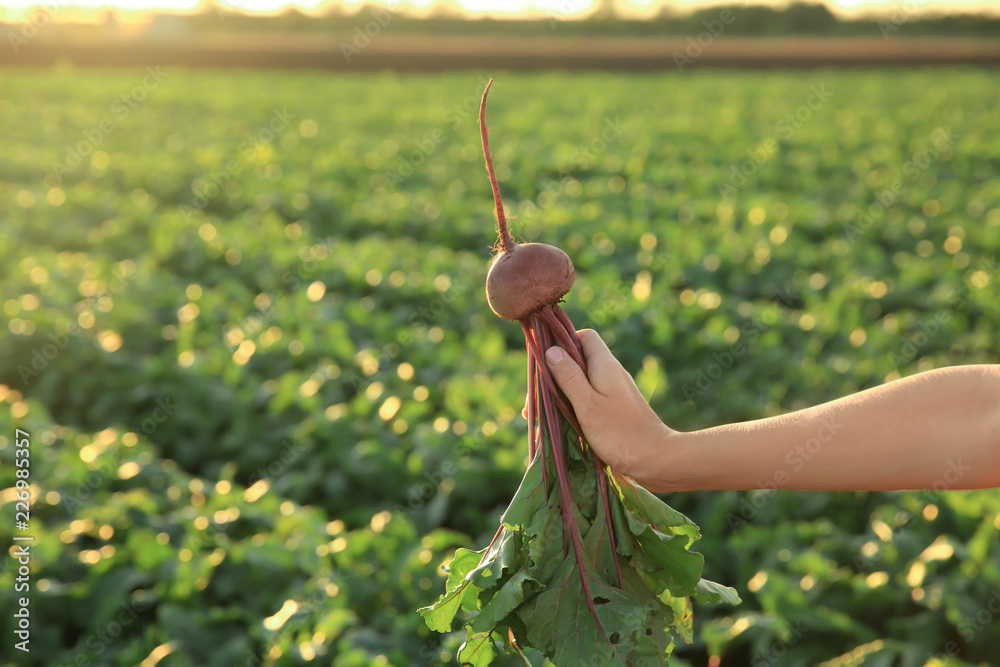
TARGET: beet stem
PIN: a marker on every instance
(533, 431)
(571, 331)
(537, 345)
(568, 339)
(486, 551)
(532, 443)
(506, 241)
(602, 485)
(567, 503)
(566, 335)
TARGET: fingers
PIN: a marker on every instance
(602, 366)
(595, 351)
(569, 377)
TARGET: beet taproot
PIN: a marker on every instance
(523, 277)
(527, 277)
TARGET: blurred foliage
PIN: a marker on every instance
(246, 329)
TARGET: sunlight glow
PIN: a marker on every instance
(66, 9)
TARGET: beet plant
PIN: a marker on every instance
(586, 566)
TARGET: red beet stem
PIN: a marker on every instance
(486, 551)
(506, 241)
(571, 330)
(565, 334)
(537, 346)
(569, 518)
(534, 437)
(602, 485)
(532, 443)
(566, 337)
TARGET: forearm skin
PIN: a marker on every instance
(934, 430)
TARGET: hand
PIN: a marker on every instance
(616, 420)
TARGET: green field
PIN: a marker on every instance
(245, 327)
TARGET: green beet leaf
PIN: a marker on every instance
(478, 650)
(529, 496)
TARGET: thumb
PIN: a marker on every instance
(569, 376)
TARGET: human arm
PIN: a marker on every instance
(939, 429)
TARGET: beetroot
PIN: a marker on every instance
(587, 566)
(527, 277)
(522, 278)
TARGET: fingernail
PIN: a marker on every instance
(555, 355)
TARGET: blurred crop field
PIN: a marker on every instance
(244, 324)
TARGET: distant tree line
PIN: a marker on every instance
(755, 21)
(805, 19)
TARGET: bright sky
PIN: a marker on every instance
(17, 8)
